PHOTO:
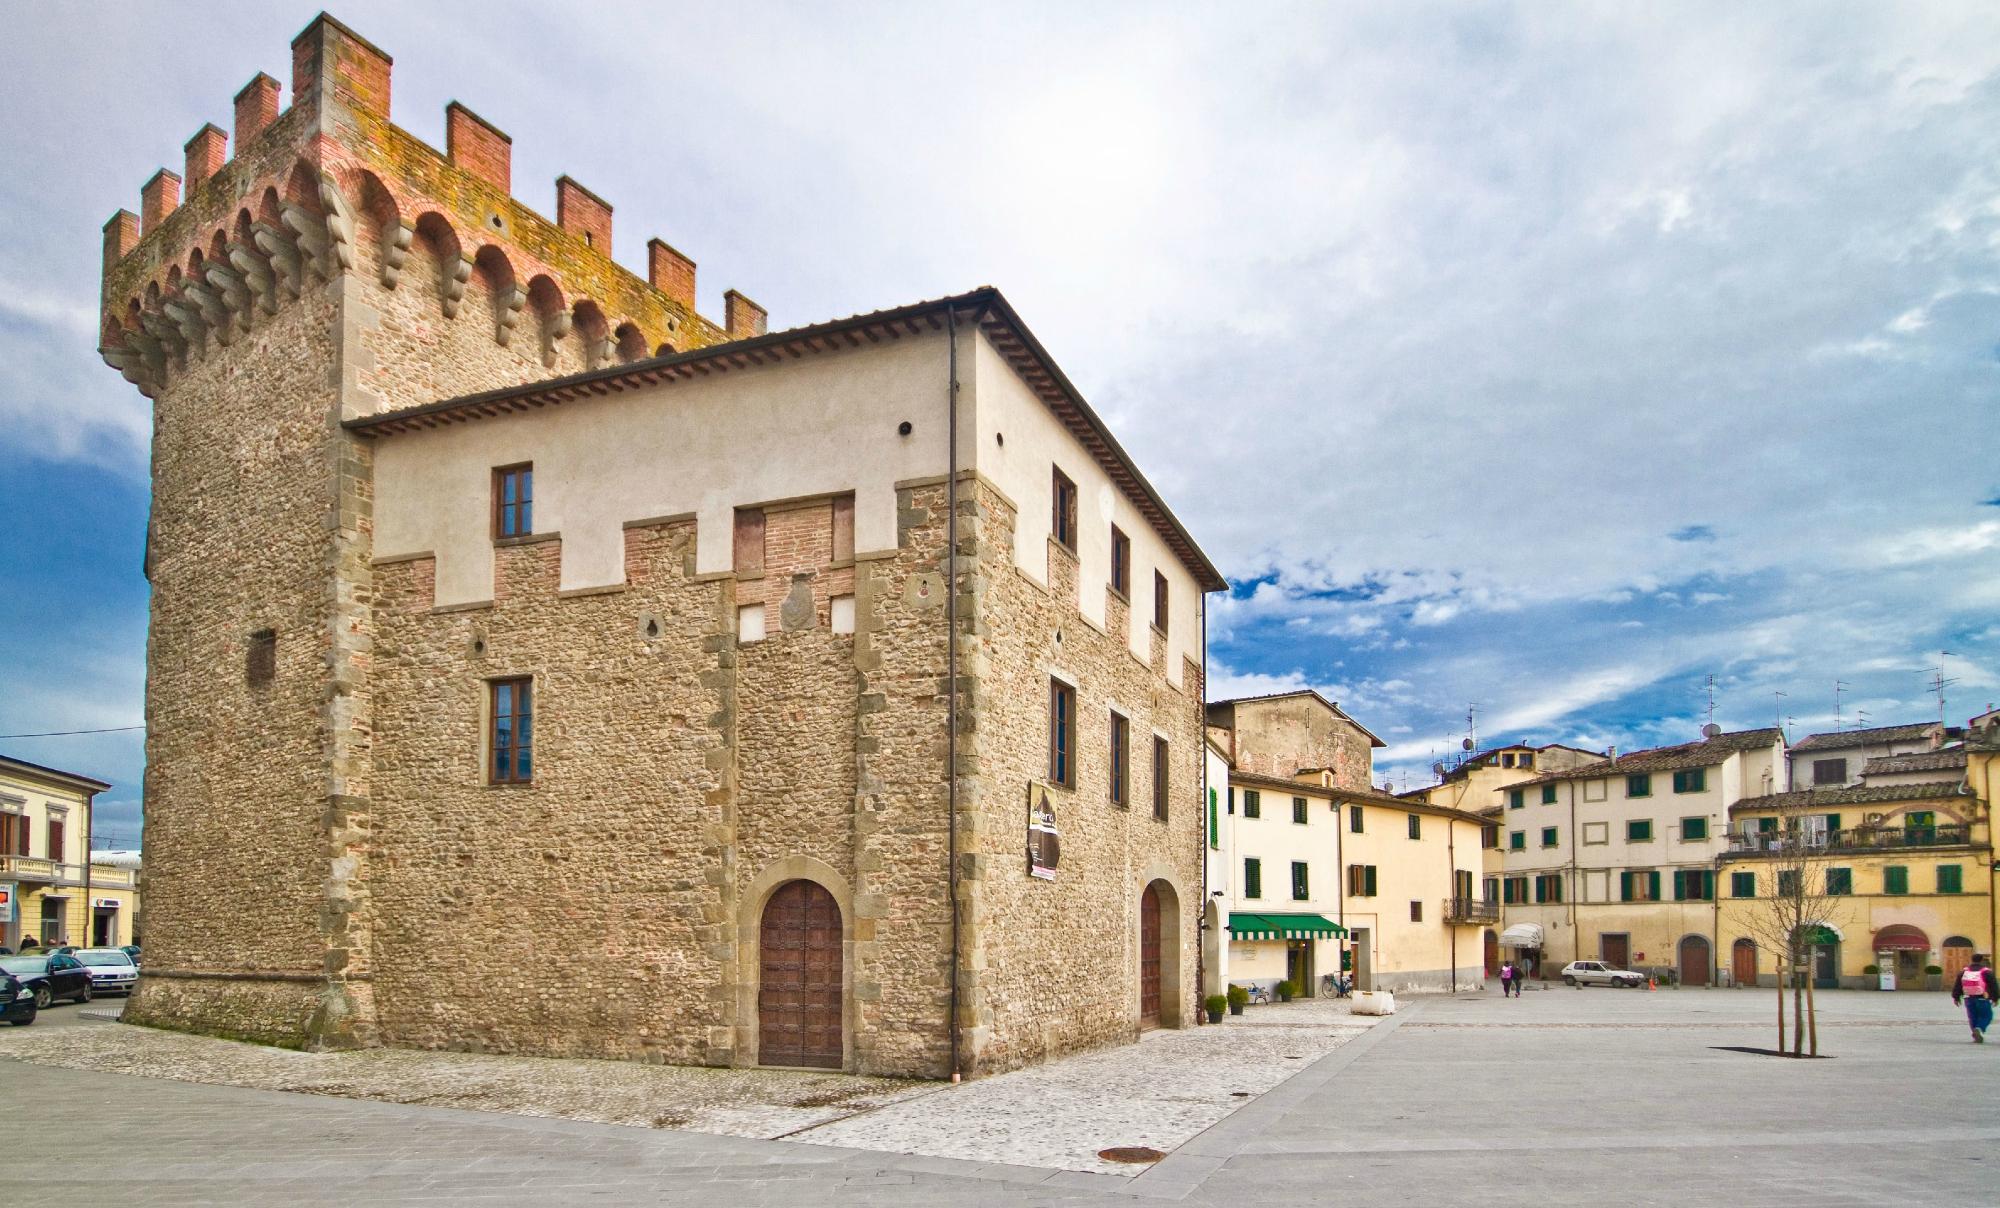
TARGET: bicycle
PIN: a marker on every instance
(1333, 985)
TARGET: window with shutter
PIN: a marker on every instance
(1299, 812)
(1896, 879)
(1548, 794)
(1121, 562)
(1516, 798)
(1253, 878)
(1950, 878)
(1640, 785)
(1839, 882)
(1253, 803)
(1301, 890)
(1742, 884)
(1163, 769)
(1639, 830)
(1416, 826)
(1121, 759)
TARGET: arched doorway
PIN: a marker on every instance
(1492, 953)
(1743, 963)
(1149, 958)
(801, 973)
(1957, 952)
(1695, 962)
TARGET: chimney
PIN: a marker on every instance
(121, 235)
(1612, 753)
(331, 59)
(670, 272)
(158, 199)
(742, 317)
(207, 151)
(256, 108)
(479, 147)
(584, 212)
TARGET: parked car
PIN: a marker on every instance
(111, 970)
(131, 950)
(1597, 973)
(17, 1002)
(50, 977)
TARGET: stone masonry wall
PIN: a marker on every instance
(1055, 964)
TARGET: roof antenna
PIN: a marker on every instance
(1711, 704)
(1777, 697)
(1939, 683)
(1839, 686)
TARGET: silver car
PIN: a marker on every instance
(111, 969)
(1597, 973)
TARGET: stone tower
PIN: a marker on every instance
(332, 267)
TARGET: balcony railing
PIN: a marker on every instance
(37, 870)
(29, 868)
(1471, 910)
(1859, 838)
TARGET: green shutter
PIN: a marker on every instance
(1253, 879)
(1833, 822)
(1653, 886)
(1214, 824)
(1548, 794)
(1516, 799)
(1369, 876)
(1624, 886)
(1742, 884)
(1896, 879)
(1948, 879)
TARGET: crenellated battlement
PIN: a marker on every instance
(330, 186)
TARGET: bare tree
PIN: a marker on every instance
(1793, 919)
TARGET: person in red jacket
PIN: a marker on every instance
(1977, 988)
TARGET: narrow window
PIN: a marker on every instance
(1162, 771)
(1693, 829)
(1416, 826)
(1839, 882)
(56, 844)
(514, 500)
(1253, 803)
(1121, 759)
(1062, 736)
(843, 528)
(1950, 878)
(1549, 838)
(1214, 823)
(1253, 878)
(1354, 819)
(1416, 912)
(1062, 519)
(1639, 786)
(1548, 793)
(1159, 601)
(512, 736)
(1121, 562)
(749, 541)
(1516, 798)
(1232, 801)
(1299, 810)
(1301, 888)
(1489, 836)
(1744, 885)
(260, 660)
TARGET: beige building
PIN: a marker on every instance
(696, 693)
(51, 889)
(1314, 871)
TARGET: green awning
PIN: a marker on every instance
(1282, 926)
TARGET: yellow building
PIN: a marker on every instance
(1906, 869)
(49, 888)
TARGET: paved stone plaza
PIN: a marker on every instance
(1561, 1096)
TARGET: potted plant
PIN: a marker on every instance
(1237, 998)
(1933, 975)
(1285, 991)
(1214, 1004)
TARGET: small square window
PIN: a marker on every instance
(1516, 798)
(1693, 829)
(1548, 794)
(1839, 882)
(1742, 884)
(1549, 836)
(1691, 780)
(1950, 878)
(1638, 830)
(1517, 840)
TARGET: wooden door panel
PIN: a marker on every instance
(1149, 957)
(801, 969)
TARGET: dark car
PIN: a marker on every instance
(50, 977)
(17, 1002)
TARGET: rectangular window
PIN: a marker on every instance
(1595, 790)
(1527, 760)
(1640, 785)
(13, 834)
(749, 541)
(1839, 882)
(1639, 885)
(1416, 912)
(1742, 884)
(1489, 837)
(1596, 832)
(1517, 840)
(1121, 562)
(1693, 829)
(1214, 823)
(1767, 826)
(1950, 878)
(1361, 880)
(514, 501)
(1829, 771)
(1232, 800)
(1354, 819)
(1062, 518)
(1693, 780)
(1548, 794)
(56, 843)
(1639, 830)
(1513, 891)
(512, 732)
(260, 661)
(1159, 601)
(843, 528)
(1062, 734)
(1549, 836)
(1299, 810)
(1489, 890)
(1788, 882)
(1253, 803)
(1694, 885)
(1516, 798)
(750, 623)
(1549, 888)
(1416, 826)
(1301, 888)
(1253, 878)
(1121, 760)
(1162, 778)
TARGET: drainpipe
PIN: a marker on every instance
(89, 910)
(1202, 831)
(1451, 870)
(951, 666)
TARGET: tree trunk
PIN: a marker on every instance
(1812, 1019)
(1798, 1016)
(1780, 979)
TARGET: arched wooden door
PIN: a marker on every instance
(1694, 961)
(1743, 962)
(799, 994)
(1492, 953)
(1149, 958)
(1957, 955)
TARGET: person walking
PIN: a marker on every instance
(1510, 983)
(1978, 990)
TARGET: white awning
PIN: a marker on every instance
(1522, 935)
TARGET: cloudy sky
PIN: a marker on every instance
(1544, 360)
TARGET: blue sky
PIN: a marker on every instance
(1542, 358)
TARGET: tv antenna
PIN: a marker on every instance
(1839, 686)
(1471, 729)
(1711, 703)
(1939, 683)
(1777, 701)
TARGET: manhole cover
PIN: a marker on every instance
(1130, 1153)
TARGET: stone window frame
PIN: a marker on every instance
(1160, 602)
(1062, 509)
(1121, 758)
(1062, 732)
(1596, 833)
(1121, 563)
(1163, 774)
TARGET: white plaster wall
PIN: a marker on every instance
(1036, 441)
(1277, 841)
(821, 424)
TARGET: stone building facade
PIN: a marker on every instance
(769, 801)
